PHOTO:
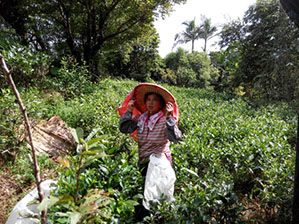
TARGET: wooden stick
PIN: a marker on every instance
(36, 170)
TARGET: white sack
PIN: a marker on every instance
(25, 209)
(159, 182)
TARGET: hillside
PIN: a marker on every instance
(235, 162)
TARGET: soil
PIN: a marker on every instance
(254, 213)
(11, 191)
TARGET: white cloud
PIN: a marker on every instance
(220, 11)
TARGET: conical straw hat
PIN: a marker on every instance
(138, 94)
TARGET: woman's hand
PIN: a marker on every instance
(131, 105)
(169, 109)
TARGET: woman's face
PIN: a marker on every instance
(153, 104)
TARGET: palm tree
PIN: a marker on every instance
(207, 31)
(191, 33)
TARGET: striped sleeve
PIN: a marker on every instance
(127, 124)
(174, 134)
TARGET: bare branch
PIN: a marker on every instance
(28, 128)
(125, 26)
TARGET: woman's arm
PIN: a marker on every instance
(127, 124)
(173, 132)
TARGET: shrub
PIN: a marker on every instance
(191, 69)
(28, 67)
(71, 79)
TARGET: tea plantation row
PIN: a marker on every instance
(235, 163)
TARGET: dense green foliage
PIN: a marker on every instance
(29, 67)
(81, 28)
(235, 163)
(190, 69)
(258, 54)
(232, 154)
(261, 52)
(138, 60)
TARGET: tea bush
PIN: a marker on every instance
(70, 79)
(233, 154)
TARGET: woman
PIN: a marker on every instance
(156, 126)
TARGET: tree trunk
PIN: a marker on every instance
(192, 47)
(205, 46)
(15, 14)
(90, 57)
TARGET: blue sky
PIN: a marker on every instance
(220, 12)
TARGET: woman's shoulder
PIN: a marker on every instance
(142, 116)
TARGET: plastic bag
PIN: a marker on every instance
(159, 181)
(25, 211)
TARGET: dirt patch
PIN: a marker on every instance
(9, 191)
(52, 137)
(255, 213)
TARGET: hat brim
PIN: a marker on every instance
(142, 89)
(138, 94)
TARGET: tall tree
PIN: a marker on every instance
(82, 28)
(191, 33)
(139, 59)
(207, 31)
(11, 11)
(267, 45)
